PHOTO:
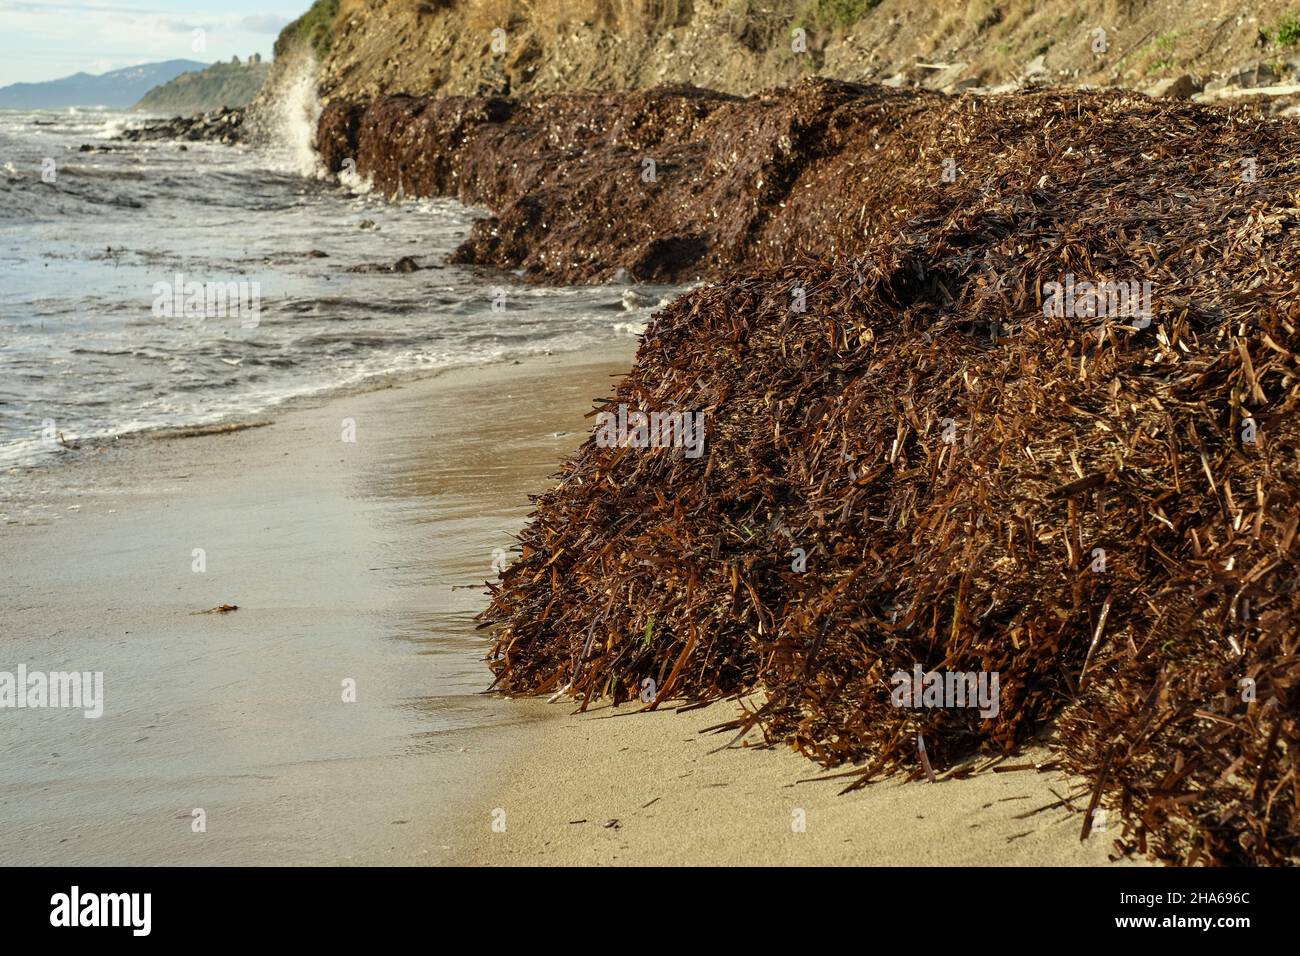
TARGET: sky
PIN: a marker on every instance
(47, 39)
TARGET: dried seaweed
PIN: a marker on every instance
(950, 458)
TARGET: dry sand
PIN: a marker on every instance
(356, 561)
(618, 787)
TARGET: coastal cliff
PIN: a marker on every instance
(368, 48)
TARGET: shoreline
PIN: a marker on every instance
(364, 566)
(347, 562)
(47, 473)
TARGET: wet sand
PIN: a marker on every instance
(357, 561)
(347, 561)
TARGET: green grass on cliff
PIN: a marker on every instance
(315, 28)
(841, 13)
(1286, 32)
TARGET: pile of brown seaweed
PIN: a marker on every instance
(667, 184)
(1102, 511)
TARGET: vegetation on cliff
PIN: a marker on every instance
(315, 28)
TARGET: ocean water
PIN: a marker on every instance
(114, 265)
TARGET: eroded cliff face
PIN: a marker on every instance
(449, 47)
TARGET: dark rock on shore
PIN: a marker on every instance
(225, 125)
(402, 265)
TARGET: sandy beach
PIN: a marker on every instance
(487, 435)
(647, 789)
(357, 561)
(347, 561)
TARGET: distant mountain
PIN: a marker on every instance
(221, 84)
(118, 89)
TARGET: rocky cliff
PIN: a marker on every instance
(371, 47)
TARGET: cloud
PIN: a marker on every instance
(182, 26)
(264, 23)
